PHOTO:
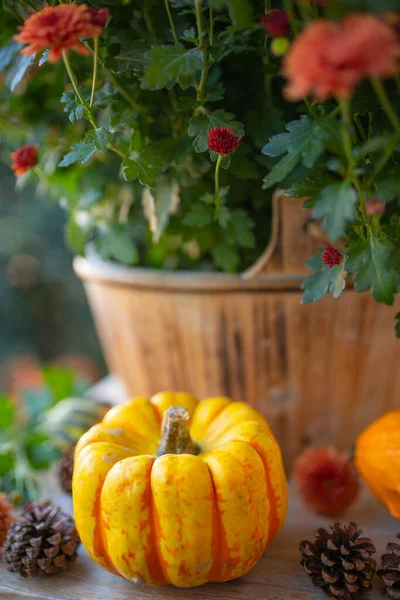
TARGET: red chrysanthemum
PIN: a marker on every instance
(98, 17)
(375, 206)
(60, 28)
(276, 22)
(332, 256)
(332, 58)
(326, 481)
(222, 140)
(24, 158)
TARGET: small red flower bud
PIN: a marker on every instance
(326, 481)
(25, 158)
(276, 22)
(98, 17)
(375, 206)
(222, 140)
(332, 256)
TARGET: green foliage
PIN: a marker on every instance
(303, 143)
(27, 444)
(335, 205)
(147, 192)
(323, 280)
(169, 65)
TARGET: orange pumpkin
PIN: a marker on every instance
(200, 504)
(377, 458)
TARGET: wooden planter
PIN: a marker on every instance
(320, 373)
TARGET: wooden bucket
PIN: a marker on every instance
(320, 373)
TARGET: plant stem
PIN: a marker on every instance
(72, 78)
(90, 115)
(95, 63)
(385, 102)
(203, 49)
(346, 128)
(211, 27)
(310, 107)
(149, 24)
(171, 21)
(360, 127)
(217, 170)
(290, 11)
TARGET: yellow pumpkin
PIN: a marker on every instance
(200, 504)
(377, 458)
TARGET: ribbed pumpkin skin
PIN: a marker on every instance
(179, 519)
(377, 458)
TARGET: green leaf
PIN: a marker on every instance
(100, 138)
(304, 143)
(280, 170)
(315, 262)
(44, 58)
(8, 53)
(138, 168)
(324, 280)
(60, 381)
(241, 227)
(7, 412)
(18, 70)
(240, 12)
(226, 257)
(388, 189)
(116, 243)
(7, 461)
(311, 186)
(199, 215)
(200, 124)
(80, 151)
(169, 65)
(336, 205)
(75, 235)
(159, 205)
(374, 272)
(39, 449)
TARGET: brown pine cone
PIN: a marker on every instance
(43, 541)
(390, 570)
(6, 518)
(65, 469)
(339, 562)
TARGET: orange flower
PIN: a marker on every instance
(332, 58)
(60, 28)
(24, 158)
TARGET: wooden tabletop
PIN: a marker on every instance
(278, 575)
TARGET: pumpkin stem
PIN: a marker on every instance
(175, 436)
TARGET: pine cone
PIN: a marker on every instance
(5, 517)
(339, 562)
(390, 570)
(65, 469)
(43, 541)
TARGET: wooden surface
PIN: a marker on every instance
(278, 575)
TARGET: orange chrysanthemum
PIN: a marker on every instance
(332, 58)
(25, 158)
(59, 28)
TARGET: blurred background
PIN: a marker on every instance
(44, 316)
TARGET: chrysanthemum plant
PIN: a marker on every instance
(187, 114)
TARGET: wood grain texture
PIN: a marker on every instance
(319, 373)
(277, 576)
